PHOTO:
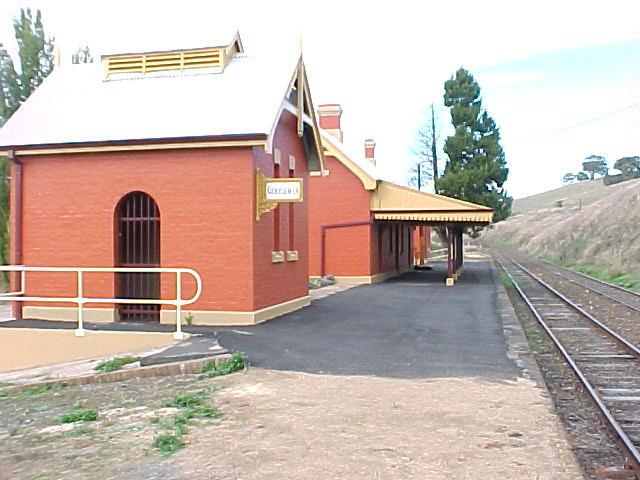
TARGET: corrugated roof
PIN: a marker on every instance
(76, 105)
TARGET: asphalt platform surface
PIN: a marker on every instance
(412, 326)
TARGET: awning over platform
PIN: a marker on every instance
(397, 203)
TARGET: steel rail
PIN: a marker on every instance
(630, 346)
(613, 423)
(584, 275)
(600, 292)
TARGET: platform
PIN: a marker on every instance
(412, 326)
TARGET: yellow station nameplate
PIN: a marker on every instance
(271, 191)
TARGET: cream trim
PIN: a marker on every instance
(332, 149)
(276, 156)
(70, 314)
(277, 256)
(147, 146)
(467, 217)
(324, 173)
(228, 318)
(367, 279)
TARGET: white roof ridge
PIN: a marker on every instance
(369, 168)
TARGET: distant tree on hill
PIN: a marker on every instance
(595, 164)
(628, 165)
(82, 55)
(568, 177)
(581, 176)
(476, 169)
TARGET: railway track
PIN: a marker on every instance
(604, 360)
(614, 292)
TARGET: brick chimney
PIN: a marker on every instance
(369, 150)
(329, 115)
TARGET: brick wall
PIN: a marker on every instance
(205, 201)
(337, 198)
(279, 282)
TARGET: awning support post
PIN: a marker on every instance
(450, 280)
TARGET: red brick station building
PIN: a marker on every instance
(211, 159)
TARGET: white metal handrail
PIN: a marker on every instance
(80, 299)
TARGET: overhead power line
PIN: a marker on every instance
(579, 124)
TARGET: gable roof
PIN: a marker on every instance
(390, 201)
(366, 171)
(76, 105)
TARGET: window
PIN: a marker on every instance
(276, 212)
(292, 174)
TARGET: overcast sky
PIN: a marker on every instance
(561, 78)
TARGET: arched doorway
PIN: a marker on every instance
(137, 226)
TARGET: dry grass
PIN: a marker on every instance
(581, 193)
(602, 237)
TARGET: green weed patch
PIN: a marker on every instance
(237, 362)
(79, 415)
(115, 364)
(168, 443)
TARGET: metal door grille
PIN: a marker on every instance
(138, 227)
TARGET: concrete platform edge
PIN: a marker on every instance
(517, 344)
(162, 370)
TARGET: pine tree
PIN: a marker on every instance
(476, 168)
(9, 87)
(34, 49)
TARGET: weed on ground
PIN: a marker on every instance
(237, 362)
(115, 364)
(191, 406)
(78, 415)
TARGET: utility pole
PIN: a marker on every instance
(434, 150)
(419, 181)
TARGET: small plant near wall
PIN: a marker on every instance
(238, 361)
(188, 318)
(115, 364)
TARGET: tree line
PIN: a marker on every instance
(597, 165)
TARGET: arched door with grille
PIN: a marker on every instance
(137, 219)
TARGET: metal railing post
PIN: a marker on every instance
(80, 330)
(81, 300)
(178, 335)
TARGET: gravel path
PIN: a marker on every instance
(279, 424)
